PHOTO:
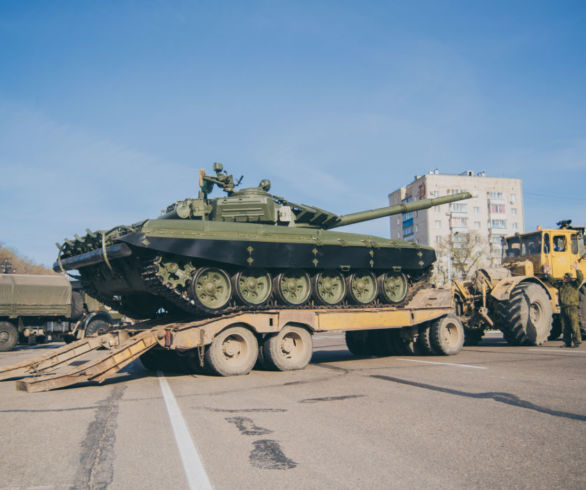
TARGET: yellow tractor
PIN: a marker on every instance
(520, 298)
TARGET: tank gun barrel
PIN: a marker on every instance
(350, 219)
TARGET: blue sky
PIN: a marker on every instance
(109, 108)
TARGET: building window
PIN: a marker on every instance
(458, 207)
(514, 211)
(515, 226)
(438, 239)
(477, 225)
(438, 223)
(476, 210)
(495, 195)
(498, 223)
(497, 208)
(513, 197)
(459, 222)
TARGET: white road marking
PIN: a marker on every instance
(469, 366)
(197, 477)
(560, 351)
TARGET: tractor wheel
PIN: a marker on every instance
(526, 317)
(8, 336)
(447, 335)
(556, 328)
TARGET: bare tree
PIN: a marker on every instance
(460, 254)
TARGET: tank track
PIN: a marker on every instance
(184, 307)
(157, 287)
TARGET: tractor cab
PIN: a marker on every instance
(548, 253)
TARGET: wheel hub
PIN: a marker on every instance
(231, 348)
(3, 337)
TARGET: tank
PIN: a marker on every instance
(247, 250)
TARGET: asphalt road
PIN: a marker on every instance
(493, 416)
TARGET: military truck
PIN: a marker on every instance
(35, 307)
(521, 297)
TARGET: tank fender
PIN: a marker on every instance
(502, 291)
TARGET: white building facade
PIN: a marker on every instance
(495, 211)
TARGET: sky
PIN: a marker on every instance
(108, 109)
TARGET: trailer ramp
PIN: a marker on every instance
(81, 361)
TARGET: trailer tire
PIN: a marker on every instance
(287, 350)
(8, 336)
(447, 335)
(233, 352)
(424, 340)
(526, 317)
(357, 342)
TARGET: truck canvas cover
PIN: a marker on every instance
(34, 295)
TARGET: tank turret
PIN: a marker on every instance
(247, 250)
(256, 205)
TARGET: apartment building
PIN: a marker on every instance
(496, 210)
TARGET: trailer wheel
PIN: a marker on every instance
(233, 351)
(447, 335)
(289, 349)
(424, 340)
(525, 319)
(357, 342)
(97, 327)
(8, 336)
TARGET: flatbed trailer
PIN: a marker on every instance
(232, 344)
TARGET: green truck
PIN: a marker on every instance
(36, 307)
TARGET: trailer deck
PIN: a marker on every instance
(97, 358)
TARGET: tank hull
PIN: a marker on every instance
(152, 266)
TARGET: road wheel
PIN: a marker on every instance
(76, 305)
(393, 287)
(362, 287)
(8, 336)
(525, 319)
(233, 351)
(357, 342)
(289, 349)
(211, 289)
(97, 327)
(253, 287)
(293, 287)
(424, 340)
(473, 336)
(447, 335)
(330, 288)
